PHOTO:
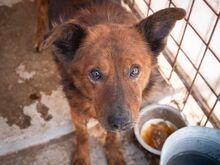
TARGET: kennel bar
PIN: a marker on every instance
(172, 59)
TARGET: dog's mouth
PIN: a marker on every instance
(126, 127)
(115, 128)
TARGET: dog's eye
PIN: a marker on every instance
(134, 71)
(95, 74)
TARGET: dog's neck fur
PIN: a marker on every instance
(89, 13)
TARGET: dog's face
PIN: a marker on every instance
(111, 64)
(112, 67)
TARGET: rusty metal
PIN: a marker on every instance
(191, 62)
(211, 112)
(189, 83)
(148, 7)
(213, 10)
(194, 92)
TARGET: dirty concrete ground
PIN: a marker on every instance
(24, 73)
(59, 151)
(32, 102)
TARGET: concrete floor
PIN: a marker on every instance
(59, 151)
(24, 73)
(35, 125)
(32, 103)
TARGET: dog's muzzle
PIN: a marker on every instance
(120, 121)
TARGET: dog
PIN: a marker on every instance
(107, 59)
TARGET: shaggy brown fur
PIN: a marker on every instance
(106, 59)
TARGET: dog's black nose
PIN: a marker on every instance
(120, 121)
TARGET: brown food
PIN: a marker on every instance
(156, 134)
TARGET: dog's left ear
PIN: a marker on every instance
(157, 27)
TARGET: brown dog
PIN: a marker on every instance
(106, 59)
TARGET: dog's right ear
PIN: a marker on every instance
(157, 27)
(65, 39)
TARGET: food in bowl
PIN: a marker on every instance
(151, 114)
(155, 132)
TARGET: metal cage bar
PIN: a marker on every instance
(172, 60)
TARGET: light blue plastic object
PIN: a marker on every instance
(192, 146)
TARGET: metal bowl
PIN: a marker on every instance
(157, 111)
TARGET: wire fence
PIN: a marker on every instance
(191, 61)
